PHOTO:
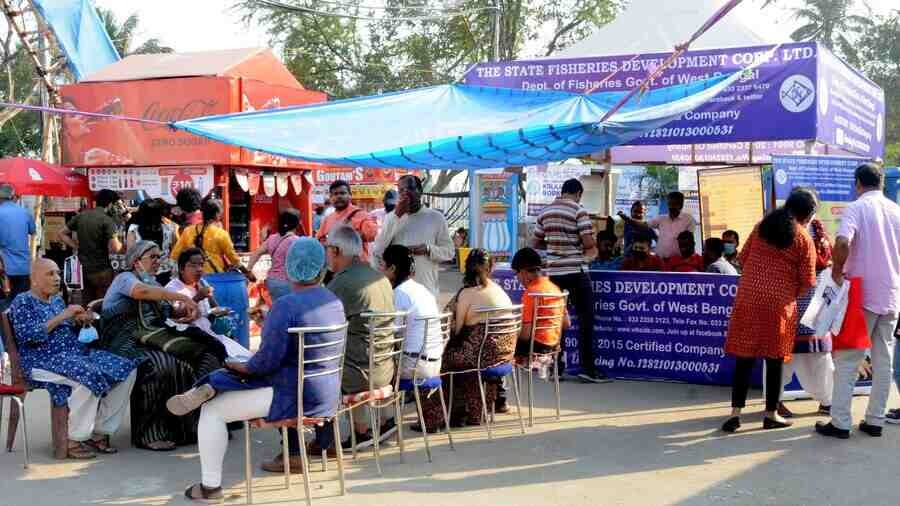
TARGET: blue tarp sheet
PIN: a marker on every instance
(455, 126)
(80, 33)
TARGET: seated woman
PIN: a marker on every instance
(462, 351)
(266, 385)
(419, 358)
(211, 318)
(133, 311)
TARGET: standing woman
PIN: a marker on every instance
(277, 246)
(149, 224)
(214, 240)
(779, 262)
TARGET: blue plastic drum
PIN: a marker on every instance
(231, 292)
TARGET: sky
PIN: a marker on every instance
(202, 25)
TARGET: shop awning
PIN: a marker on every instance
(456, 126)
(35, 177)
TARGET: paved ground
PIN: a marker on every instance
(620, 443)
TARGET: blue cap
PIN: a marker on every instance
(305, 260)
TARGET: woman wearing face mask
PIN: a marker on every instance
(779, 260)
(133, 312)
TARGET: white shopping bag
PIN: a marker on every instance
(72, 275)
(825, 313)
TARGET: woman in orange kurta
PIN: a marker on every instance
(779, 262)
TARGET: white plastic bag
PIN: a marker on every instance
(72, 275)
(825, 313)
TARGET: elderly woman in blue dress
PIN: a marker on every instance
(266, 385)
(94, 384)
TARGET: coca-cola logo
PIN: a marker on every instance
(168, 114)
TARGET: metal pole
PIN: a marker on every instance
(496, 44)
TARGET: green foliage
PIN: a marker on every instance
(353, 57)
(123, 35)
(20, 132)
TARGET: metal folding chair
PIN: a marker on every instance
(437, 330)
(501, 322)
(386, 334)
(335, 345)
(549, 313)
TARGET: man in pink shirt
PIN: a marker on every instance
(671, 225)
(867, 246)
(345, 211)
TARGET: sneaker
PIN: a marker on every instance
(182, 404)
(363, 441)
(594, 377)
(827, 429)
(893, 416)
(388, 428)
(872, 430)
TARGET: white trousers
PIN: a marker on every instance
(212, 431)
(89, 414)
(815, 372)
(881, 331)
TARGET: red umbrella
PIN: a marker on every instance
(34, 177)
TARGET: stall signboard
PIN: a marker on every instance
(495, 222)
(365, 182)
(99, 142)
(633, 184)
(653, 326)
(775, 99)
(831, 176)
(730, 199)
(545, 184)
(155, 182)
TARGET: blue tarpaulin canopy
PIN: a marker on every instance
(81, 35)
(455, 126)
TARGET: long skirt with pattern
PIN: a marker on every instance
(462, 354)
(161, 376)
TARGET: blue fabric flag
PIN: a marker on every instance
(80, 33)
(455, 126)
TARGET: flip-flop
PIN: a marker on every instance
(170, 446)
(197, 492)
(80, 451)
(102, 446)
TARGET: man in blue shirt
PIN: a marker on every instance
(17, 225)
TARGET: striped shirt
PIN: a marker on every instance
(561, 226)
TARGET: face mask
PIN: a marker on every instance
(87, 335)
(730, 248)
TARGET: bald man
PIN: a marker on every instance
(96, 385)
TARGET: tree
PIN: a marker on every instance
(123, 35)
(387, 46)
(879, 50)
(831, 23)
(20, 134)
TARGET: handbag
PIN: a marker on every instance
(72, 275)
(188, 345)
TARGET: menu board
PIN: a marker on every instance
(156, 182)
(730, 199)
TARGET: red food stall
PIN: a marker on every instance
(157, 161)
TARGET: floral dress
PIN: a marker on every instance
(60, 352)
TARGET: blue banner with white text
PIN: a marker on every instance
(654, 325)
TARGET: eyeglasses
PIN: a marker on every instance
(153, 256)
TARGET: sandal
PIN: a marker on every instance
(102, 445)
(160, 446)
(77, 450)
(198, 492)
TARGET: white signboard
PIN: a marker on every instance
(156, 182)
(545, 183)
